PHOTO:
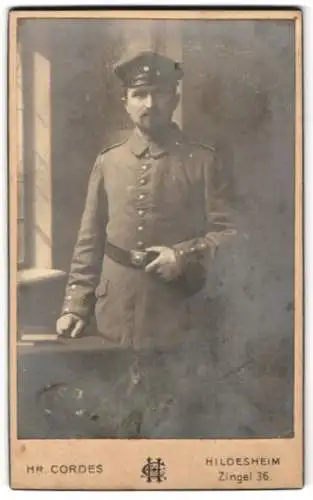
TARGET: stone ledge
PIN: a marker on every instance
(37, 275)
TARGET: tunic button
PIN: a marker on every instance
(144, 167)
(140, 244)
(140, 228)
(141, 212)
(142, 182)
(192, 249)
(141, 196)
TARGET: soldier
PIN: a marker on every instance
(154, 216)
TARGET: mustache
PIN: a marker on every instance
(148, 112)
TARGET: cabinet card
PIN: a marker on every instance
(156, 259)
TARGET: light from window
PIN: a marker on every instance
(21, 185)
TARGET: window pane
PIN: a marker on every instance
(21, 207)
(20, 242)
(21, 197)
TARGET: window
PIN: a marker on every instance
(20, 179)
(34, 218)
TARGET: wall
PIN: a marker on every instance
(239, 96)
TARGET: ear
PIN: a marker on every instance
(124, 95)
(125, 101)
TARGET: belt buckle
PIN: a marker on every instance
(138, 258)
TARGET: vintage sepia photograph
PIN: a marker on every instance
(155, 247)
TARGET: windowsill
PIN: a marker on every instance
(37, 343)
(37, 275)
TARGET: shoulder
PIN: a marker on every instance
(109, 154)
(203, 147)
(112, 147)
(202, 153)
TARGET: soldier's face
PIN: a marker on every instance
(151, 107)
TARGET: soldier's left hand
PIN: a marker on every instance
(166, 264)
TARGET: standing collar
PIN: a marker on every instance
(139, 144)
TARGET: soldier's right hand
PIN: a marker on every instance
(70, 325)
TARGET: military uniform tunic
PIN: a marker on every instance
(143, 193)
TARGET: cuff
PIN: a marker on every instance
(191, 249)
(199, 247)
(77, 302)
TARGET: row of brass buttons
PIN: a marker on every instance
(141, 212)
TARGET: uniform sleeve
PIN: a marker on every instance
(216, 199)
(89, 249)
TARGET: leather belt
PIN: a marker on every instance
(129, 258)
